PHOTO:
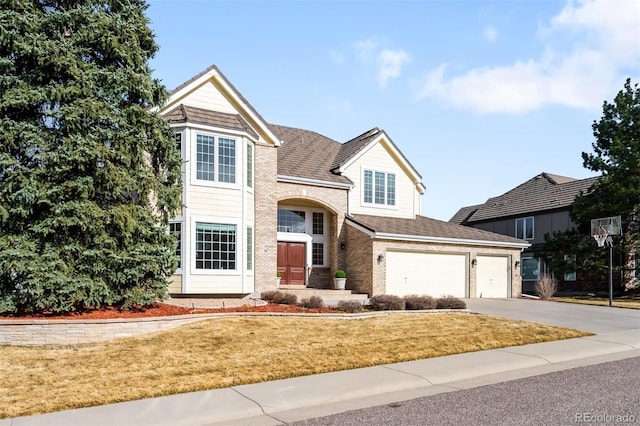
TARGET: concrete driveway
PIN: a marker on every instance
(593, 319)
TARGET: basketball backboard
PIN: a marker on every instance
(606, 225)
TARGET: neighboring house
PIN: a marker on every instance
(531, 210)
(260, 198)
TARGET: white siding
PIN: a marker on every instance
(208, 97)
(378, 158)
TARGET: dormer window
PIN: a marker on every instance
(379, 188)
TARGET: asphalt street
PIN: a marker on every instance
(605, 393)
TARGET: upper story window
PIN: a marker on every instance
(379, 188)
(250, 166)
(179, 142)
(215, 159)
(524, 228)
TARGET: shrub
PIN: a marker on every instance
(314, 302)
(386, 302)
(350, 306)
(282, 298)
(417, 303)
(285, 298)
(268, 295)
(450, 302)
(341, 274)
(278, 274)
(546, 286)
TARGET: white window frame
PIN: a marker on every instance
(308, 231)
(250, 257)
(250, 167)
(386, 189)
(240, 246)
(238, 176)
(521, 224)
(181, 245)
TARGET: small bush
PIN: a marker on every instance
(418, 303)
(275, 296)
(268, 295)
(450, 302)
(386, 302)
(285, 298)
(313, 302)
(341, 274)
(350, 306)
(546, 286)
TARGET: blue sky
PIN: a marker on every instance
(479, 95)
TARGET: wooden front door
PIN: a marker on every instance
(291, 262)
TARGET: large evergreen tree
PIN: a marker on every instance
(89, 175)
(616, 155)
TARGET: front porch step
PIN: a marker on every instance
(330, 297)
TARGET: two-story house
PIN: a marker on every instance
(529, 211)
(260, 198)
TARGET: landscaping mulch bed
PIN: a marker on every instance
(164, 309)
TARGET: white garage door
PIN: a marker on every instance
(426, 274)
(492, 276)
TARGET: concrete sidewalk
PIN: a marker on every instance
(284, 401)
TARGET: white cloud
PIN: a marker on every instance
(590, 46)
(490, 34)
(390, 63)
(366, 49)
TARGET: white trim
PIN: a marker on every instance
(239, 157)
(240, 266)
(373, 204)
(215, 129)
(314, 182)
(440, 240)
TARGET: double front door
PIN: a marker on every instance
(291, 262)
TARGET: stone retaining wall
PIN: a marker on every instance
(71, 332)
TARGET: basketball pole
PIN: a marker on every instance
(611, 273)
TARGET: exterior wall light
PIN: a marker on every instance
(473, 263)
(380, 258)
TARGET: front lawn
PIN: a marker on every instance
(627, 302)
(231, 351)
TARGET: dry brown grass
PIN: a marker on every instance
(239, 350)
(601, 301)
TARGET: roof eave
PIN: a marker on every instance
(314, 182)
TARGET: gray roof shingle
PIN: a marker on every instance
(184, 113)
(541, 193)
(427, 227)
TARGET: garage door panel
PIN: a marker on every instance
(492, 276)
(433, 274)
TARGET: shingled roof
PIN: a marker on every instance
(541, 193)
(307, 154)
(184, 113)
(424, 228)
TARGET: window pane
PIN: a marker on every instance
(175, 229)
(368, 186)
(226, 160)
(317, 254)
(379, 188)
(249, 249)
(391, 189)
(530, 269)
(570, 259)
(205, 157)
(318, 223)
(179, 142)
(529, 228)
(222, 251)
(291, 221)
(250, 166)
